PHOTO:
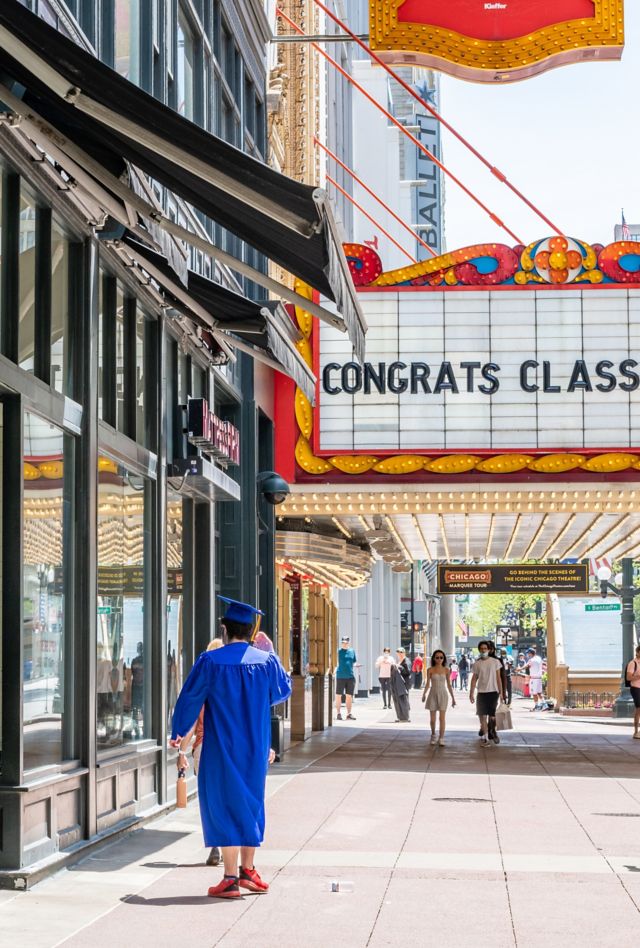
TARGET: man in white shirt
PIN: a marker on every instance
(487, 680)
(534, 664)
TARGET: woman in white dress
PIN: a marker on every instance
(437, 689)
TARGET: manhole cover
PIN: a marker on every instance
(461, 800)
(617, 814)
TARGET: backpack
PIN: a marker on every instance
(627, 680)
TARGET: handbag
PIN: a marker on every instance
(503, 719)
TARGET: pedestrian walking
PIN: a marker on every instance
(383, 664)
(345, 678)
(402, 663)
(632, 677)
(533, 665)
(463, 668)
(453, 673)
(487, 680)
(495, 653)
(437, 689)
(400, 686)
(417, 668)
(507, 664)
(237, 685)
(193, 739)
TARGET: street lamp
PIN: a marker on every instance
(623, 706)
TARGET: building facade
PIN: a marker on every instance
(111, 554)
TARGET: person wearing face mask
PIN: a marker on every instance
(383, 664)
(487, 682)
(401, 685)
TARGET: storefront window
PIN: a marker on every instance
(127, 39)
(46, 510)
(140, 324)
(120, 415)
(176, 652)
(175, 641)
(123, 646)
(184, 71)
(101, 279)
(59, 305)
(27, 277)
(1, 512)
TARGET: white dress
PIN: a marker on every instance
(438, 697)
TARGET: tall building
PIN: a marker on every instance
(136, 389)
(626, 232)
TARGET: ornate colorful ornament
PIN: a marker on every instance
(496, 41)
(558, 261)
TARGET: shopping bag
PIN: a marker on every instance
(503, 719)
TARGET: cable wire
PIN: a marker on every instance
(394, 121)
(434, 112)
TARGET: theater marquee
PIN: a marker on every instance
(493, 42)
(484, 370)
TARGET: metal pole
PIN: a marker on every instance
(412, 615)
(623, 706)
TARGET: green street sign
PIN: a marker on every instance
(602, 607)
(104, 610)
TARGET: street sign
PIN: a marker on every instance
(520, 578)
(602, 607)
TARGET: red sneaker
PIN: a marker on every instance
(227, 889)
(249, 879)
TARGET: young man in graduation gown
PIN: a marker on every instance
(237, 685)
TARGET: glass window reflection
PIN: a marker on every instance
(123, 645)
(59, 305)
(127, 39)
(186, 56)
(27, 277)
(45, 501)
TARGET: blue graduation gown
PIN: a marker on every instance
(237, 685)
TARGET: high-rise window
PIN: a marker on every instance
(59, 305)
(127, 39)
(184, 70)
(27, 277)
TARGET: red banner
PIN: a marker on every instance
(496, 21)
(496, 40)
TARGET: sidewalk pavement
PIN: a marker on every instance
(531, 842)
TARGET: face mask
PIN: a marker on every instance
(484, 655)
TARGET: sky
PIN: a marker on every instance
(569, 140)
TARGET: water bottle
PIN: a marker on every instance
(341, 886)
(181, 789)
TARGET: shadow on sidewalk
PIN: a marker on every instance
(172, 900)
(533, 752)
(139, 844)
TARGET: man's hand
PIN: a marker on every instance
(472, 698)
(272, 755)
(176, 744)
(453, 702)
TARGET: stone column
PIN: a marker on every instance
(447, 623)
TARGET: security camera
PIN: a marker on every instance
(273, 488)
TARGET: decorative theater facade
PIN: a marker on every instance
(496, 416)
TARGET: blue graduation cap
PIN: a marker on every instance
(240, 611)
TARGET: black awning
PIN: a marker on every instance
(112, 119)
(263, 325)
